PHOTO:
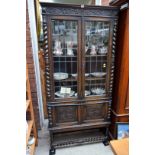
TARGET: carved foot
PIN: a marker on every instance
(52, 151)
(106, 142)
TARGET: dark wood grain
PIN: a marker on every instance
(120, 104)
(122, 65)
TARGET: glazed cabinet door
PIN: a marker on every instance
(65, 45)
(96, 57)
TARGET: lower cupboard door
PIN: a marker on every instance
(66, 115)
(95, 112)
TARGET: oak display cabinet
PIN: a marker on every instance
(79, 50)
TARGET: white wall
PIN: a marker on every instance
(31, 10)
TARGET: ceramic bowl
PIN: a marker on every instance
(87, 92)
(97, 91)
(74, 75)
(62, 95)
(103, 50)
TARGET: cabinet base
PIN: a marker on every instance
(78, 138)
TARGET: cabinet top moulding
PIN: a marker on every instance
(79, 10)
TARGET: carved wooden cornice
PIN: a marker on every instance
(78, 10)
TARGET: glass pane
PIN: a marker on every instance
(64, 50)
(96, 49)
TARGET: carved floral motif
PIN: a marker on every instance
(78, 11)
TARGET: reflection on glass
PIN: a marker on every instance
(64, 50)
(96, 48)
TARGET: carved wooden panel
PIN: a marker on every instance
(99, 13)
(66, 114)
(75, 138)
(95, 111)
(61, 11)
(78, 10)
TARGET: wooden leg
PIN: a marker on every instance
(52, 150)
(106, 140)
(51, 137)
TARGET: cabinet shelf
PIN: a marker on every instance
(88, 96)
(66, 86)
(95, 85)
(64, 56)
(75, 79)
(30, 125)
(86, 84)
(67, 80)
(98, 55)
(95, 78)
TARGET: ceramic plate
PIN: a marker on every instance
(60, 76)
(61, 95)
(98, 74)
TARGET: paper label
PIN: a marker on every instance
(68, 90)
(65, 90)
